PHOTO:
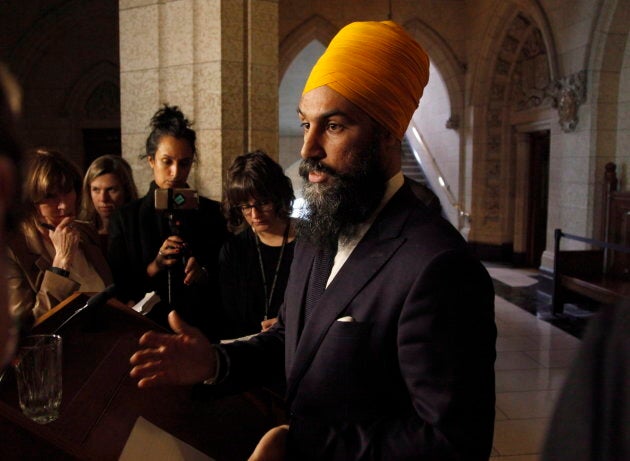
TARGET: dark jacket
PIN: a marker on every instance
(412, 375)
(137, 231)
(242, 289)
(591, 421)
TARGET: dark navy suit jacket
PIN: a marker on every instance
(412, 376)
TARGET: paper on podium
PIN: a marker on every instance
(242, 338)
(145, 305)
(147, 441)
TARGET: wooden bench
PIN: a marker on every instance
(591, 274)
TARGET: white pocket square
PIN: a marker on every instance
(345, 319)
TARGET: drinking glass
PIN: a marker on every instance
(38, 373)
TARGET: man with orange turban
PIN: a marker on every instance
(387, 331)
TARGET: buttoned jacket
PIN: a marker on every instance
(408, 371)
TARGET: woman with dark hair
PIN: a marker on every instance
(52, 255)
(254, 264)
(175, 258)
(107, 185)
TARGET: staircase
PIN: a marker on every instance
(410, 166)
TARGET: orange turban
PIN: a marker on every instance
(377, 66)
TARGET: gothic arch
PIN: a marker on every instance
(95, 88)
(498, 27)
(314, 28)
(513, 33)
(444, 59)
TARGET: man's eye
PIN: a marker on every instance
(305, 126)
(334, 127)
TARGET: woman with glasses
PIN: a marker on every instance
(173, 255)
(52, 255)
(254, 264)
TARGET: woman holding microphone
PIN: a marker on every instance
(176, 258)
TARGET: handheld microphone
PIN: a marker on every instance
(96, 300)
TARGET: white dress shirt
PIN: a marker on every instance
(345, 250)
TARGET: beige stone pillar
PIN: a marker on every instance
(215, 59)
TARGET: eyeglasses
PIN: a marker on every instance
(262, 206)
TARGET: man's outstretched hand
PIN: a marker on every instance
(272, 446)
(186, 357)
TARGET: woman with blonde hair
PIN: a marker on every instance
(107, 185)
(52, 255)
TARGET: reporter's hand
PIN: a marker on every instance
(272, 446)
(65, 240)
(186, 357)
(266, 324)
(169, 254)
(193, 271)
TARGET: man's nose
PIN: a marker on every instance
(312, 147)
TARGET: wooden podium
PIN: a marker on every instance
(101, 403)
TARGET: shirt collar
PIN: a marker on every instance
(392, 186)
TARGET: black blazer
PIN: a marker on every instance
(136, 232)
(412, 375)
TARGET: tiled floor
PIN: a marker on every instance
(533, 357)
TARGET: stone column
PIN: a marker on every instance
(215, 59)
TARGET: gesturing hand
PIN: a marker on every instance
(186, 357)
(65, 240)
(272, 446)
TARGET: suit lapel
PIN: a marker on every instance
(373, 251)
(295, 292)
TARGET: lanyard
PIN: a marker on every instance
(269, 294)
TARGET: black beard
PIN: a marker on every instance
(335, 209)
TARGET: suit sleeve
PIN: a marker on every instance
(445, 350)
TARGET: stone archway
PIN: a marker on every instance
(314, 28)
(517, 99)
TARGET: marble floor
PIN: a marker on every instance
(534, 353)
